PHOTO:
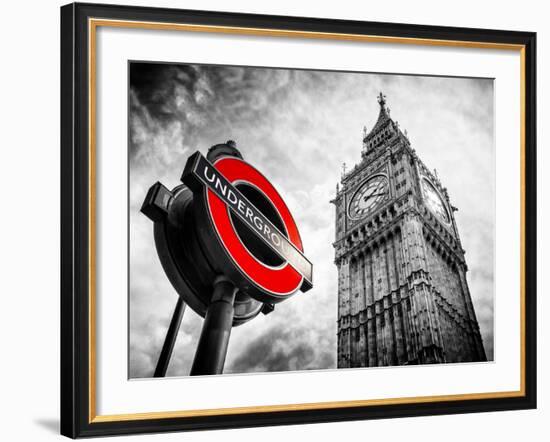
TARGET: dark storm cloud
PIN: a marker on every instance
(297, 127)
(271, 352)
(202, 98)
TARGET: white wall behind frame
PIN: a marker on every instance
(30, 165)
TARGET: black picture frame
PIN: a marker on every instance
(76, 403)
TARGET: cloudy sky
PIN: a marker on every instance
(297, 127)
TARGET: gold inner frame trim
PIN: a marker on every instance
(93, 24)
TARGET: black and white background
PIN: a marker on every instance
(297, 127)
(30, 158)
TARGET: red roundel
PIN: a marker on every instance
(281, 280)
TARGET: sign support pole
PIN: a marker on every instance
(216, 329)
(170, 340)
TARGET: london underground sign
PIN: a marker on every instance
(222, 199)
(230, 247)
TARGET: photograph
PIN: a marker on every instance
(369, 196)
(273, 219)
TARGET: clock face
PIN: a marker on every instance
(434, 201)
(371, 193)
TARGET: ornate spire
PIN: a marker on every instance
(381, 100)
(384, 131)
(381, 122)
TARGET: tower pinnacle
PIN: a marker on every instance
(369, 139)
(382, 100)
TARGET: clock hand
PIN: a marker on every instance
(375, 190)
(379, 186)
(365, 198)
(368, 195)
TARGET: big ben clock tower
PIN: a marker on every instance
(403, 297)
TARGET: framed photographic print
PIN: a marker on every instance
(274, 220)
